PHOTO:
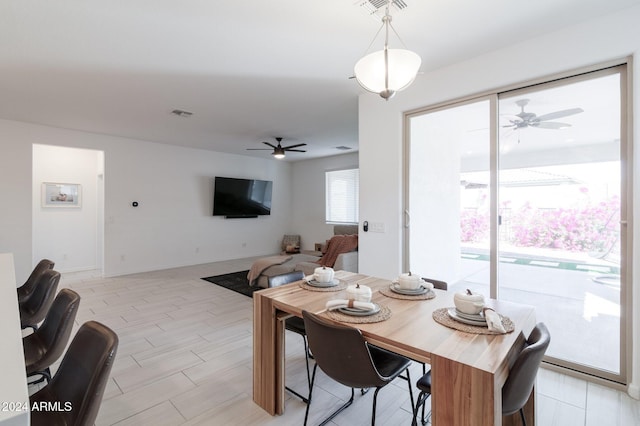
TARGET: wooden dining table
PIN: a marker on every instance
(468, 369)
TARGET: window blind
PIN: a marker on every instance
(342, 196)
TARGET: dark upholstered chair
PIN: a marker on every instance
(47, 344)
(80, 380)
(295, 325)
(344, 355)
(426, 380)
(440, 285)
(25, 290)
(519, 384)
(522, 375)
(424, 385)
(35, 307)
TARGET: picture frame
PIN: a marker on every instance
(56, 194)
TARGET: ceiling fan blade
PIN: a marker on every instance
(258, 149)
(559, 114)
(295, 150)
(550, 125)
(271, 145)
(294, 146)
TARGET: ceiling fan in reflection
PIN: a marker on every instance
(525, 119)
(529, 119)
(279, 151)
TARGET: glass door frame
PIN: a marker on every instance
(624, 68)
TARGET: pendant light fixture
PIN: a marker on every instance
(387, 71)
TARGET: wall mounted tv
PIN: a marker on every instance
(241, 198)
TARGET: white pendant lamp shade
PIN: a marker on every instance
(399, 71)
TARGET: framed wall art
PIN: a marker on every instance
(61, 194)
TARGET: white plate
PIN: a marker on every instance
(332, 283)
(395, 287)
(472, 317)
(359, 312)
(453, 314)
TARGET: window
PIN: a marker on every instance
(342, 199)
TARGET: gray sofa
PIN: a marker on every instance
(308, 261)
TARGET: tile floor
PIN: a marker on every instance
(185, 358)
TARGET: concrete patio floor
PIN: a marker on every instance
(582, 314)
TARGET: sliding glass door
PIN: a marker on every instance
(521, 195)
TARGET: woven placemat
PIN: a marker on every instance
(441, 316)
(383, 315)
(390, 293)
(340, 286)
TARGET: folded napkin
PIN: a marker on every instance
(349, 303)
(493, 320)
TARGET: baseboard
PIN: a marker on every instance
(634, 391)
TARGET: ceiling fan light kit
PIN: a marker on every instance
(387, 71)
(279, 151)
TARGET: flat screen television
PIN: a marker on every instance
(238, 198)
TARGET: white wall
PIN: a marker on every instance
(173, 225)
(308, 197)
(15, 207)
(67, 234)
(380, 126)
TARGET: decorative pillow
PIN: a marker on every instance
(292, 249)
(291, 240)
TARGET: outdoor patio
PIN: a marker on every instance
(582, 313)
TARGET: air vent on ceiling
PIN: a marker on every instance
(343, 148)
(372, 7)
(181, 113)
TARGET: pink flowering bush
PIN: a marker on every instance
(592, 227)
(474, 226)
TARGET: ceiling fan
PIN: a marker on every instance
(279, 151)
(529, 119)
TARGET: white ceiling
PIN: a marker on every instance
(249, 70)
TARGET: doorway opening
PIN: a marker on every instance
(68, 208)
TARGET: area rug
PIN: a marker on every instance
(236, 281)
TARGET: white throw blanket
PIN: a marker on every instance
(349, 303)
(261, 264)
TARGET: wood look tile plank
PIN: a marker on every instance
(551, 412)
(158, 368)
(564, 388)
(163, 414)
(216, 391)
(135, 401)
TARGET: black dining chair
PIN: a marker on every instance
(522, 375)
(425, 381)
(346, 357)
(440, 285)
(25, 289)
(47, 344)
(519, 384)
(79, 383)
(295, 325)
(34, 308)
